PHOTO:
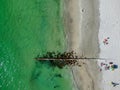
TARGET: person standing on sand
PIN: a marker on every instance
(114, 84)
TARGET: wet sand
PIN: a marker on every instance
(81, 19)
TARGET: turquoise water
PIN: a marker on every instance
(29, 28)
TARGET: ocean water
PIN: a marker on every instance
(29, 28)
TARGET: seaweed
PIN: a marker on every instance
(58, 59)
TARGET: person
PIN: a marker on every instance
(108, 37)
(102, 64)
(114, 84)
(110, 62)
(105, 41)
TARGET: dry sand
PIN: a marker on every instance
(81, 19)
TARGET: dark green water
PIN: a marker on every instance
(29, 28)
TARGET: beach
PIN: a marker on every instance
(82, 25)
(34, 28)
(110, 27)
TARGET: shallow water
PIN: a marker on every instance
(26, 30)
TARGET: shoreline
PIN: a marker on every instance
(81, 19)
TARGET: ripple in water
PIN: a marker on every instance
(9, 70)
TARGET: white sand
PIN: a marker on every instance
(110, 27)
(82, 24)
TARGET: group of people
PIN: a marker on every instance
(109, 66)
(105, 41)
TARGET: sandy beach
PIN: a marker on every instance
(82, 24)
(110, 27)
